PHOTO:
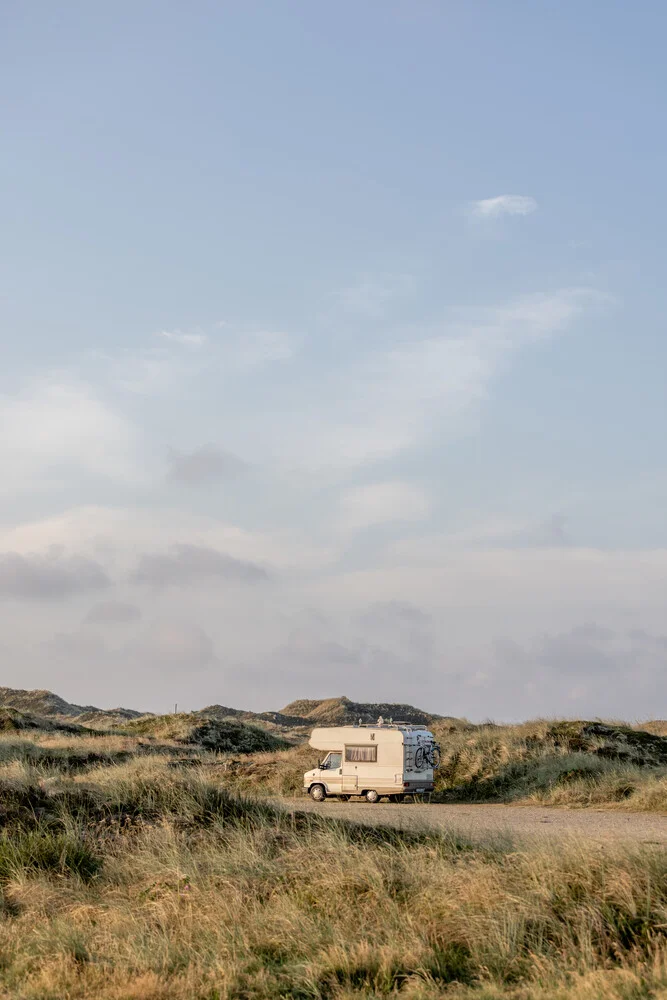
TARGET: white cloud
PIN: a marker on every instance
(365, 405)
(504, 204)
(371, 297)
(145, 371)
(186, 565)
(170, 646)
(510, 532)
(528, 588)
(418, 623)
(237, 348)
(167, 369)
(116, 535)
(186, 339)
(381, 503)
(378, 404)
(258, 347)
(57, 427)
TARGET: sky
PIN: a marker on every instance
(333, 354)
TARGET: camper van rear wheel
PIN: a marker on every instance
(372, 796)
(317, 793)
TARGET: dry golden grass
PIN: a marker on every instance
(656, 726)
(126, 874)
(545, 761)
(110, 742)
(210, 899)
(533, 762)
(555, 762)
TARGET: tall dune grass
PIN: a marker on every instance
(145, 881)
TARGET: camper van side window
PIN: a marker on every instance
(361, 753)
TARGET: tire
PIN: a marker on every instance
(372, 796)
(344, 798)
(317, 793)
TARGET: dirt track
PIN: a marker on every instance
(516, 821)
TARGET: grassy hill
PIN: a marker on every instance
(194, 729)
(43, 703)
(13, 721)
(294, 721)
(342, 711)
(557, 762)
(46, 703)
(275, 722)
(548, 761)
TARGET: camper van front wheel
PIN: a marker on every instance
(317, 793)
(372, 795)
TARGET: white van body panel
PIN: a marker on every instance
(382, 758)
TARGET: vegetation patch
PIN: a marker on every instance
(342, 712)
(245, 901)
(221, 736)
(582, 763)
(14, 721)
(140, 879)
(42, 850)
(621, 743)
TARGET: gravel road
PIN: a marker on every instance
(477, 821)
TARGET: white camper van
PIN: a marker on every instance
(385, 759)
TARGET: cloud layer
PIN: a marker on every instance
(49, 576)
(504, 204)
(186, 564)
(320, 551)
(383, 503)
(203, 466)
(113, 613)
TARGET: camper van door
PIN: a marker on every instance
(350, 777)
(332, 771)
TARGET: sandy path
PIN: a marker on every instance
(515, 821)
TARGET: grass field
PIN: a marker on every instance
(149, 861)
(546, 762)
(147, 880)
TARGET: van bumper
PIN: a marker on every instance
(419, 787)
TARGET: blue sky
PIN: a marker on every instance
(333, 354)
